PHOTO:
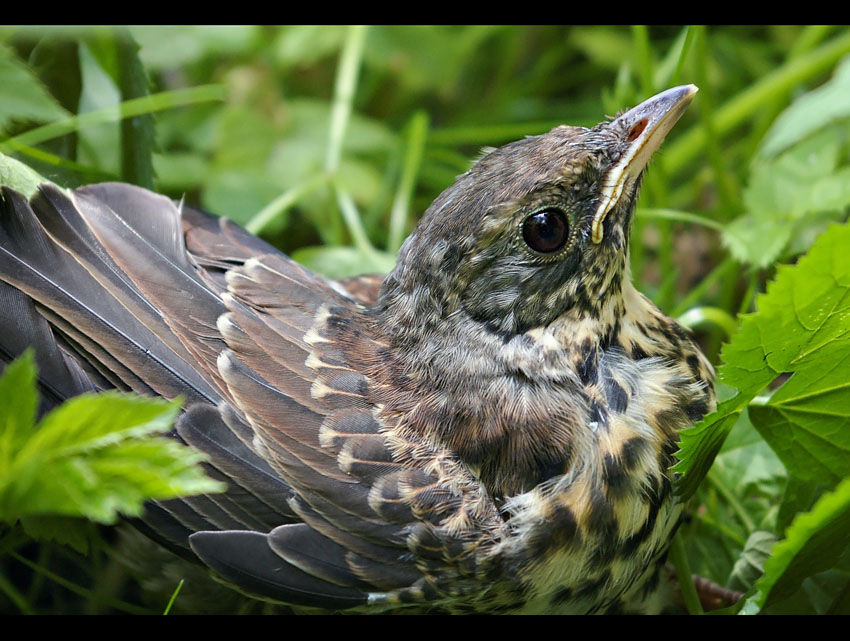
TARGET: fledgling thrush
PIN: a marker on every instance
(490, 430)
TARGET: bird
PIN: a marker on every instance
(490, 428)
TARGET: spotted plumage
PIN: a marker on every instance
(488, 429)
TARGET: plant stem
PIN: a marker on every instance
(128, 109)
(686, 47)
(683, 573)
(283, 202)
(417, 135)
(680, 216)
(15, 596)
(173, 598)
(344, 90)
(352, 220)
(715, 316)
(76, 589)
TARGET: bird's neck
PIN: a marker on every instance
(511, 407)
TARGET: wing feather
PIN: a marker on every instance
(327, 504)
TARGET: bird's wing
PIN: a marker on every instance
(327, 505)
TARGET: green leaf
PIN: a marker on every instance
(99, 143)
(117, 478)
(750, 565)
(237, 193)
(23, 96)
(814, 445)
(756, 240)
(813, 543)
(743, 369)
(801, 326)
(810, 112)
(17, 389)
(304, 45)
(784, 193)
(340, 262)
(180, 172)
(799, 496)
(56, 60)
(171, 47)
(74, 532)
(93, 420)
(93, 456)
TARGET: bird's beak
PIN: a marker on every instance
(646, 126)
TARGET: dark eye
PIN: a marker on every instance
(546, 231)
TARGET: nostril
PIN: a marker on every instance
(636, 130)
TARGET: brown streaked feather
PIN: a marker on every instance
(154, 258)
(281, 421)
(268, 353)
(364, 289)
(349, 485)
(33, 263)
(254, 486)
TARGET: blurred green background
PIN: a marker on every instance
(323, 137)
(330, 142)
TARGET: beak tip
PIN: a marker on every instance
(682, 94)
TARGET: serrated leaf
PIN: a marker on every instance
(813, 446)
(93, 420)
(20, 400)
(807, 421)
(813, 542)
(74, 532)
(743, 369)
(756, 240)
(802, 326)
(93, 456)
(118, 478)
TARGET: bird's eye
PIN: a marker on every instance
(546, 231)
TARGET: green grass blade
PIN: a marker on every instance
(131, 108)
(417, 135)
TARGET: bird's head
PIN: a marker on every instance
(536, 229)
(504, 300)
